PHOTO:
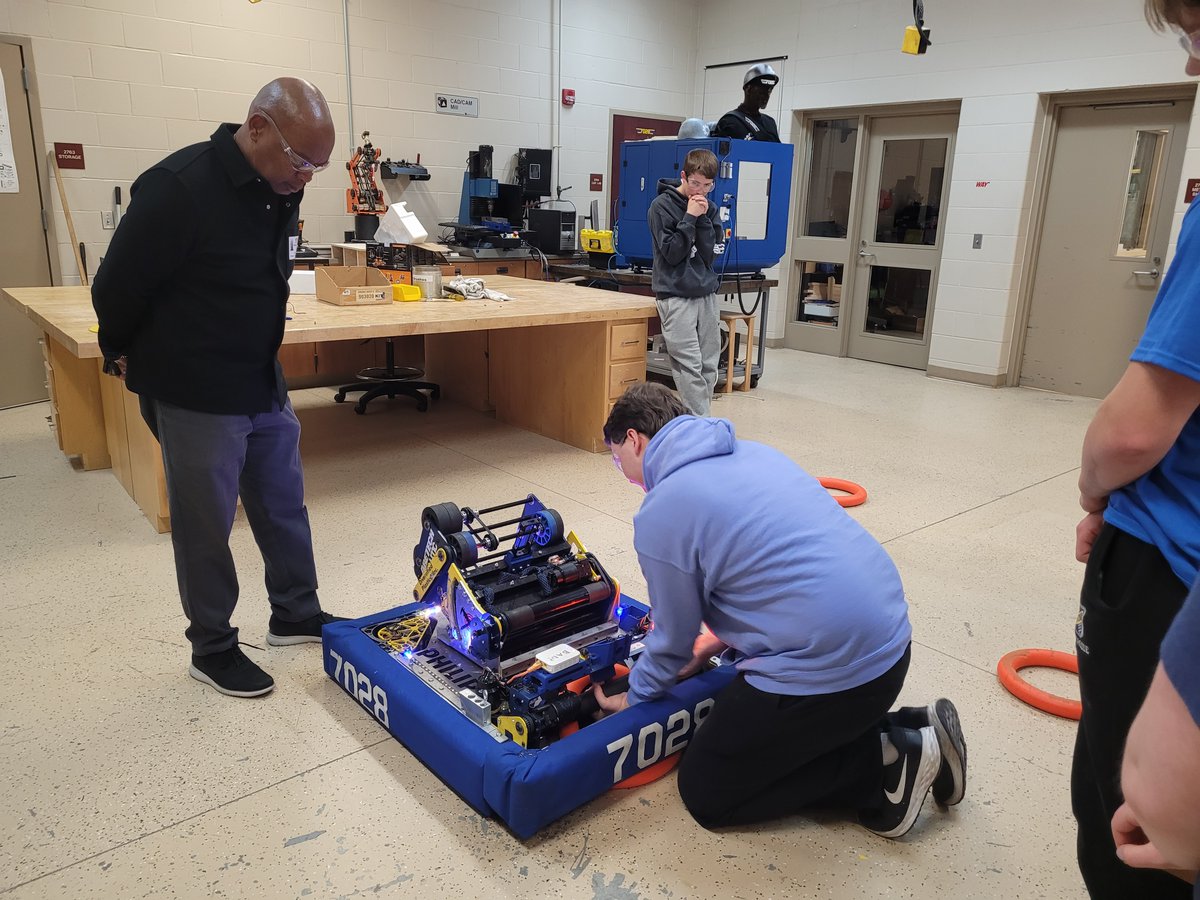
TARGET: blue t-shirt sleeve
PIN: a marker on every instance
(1172, 336)
(1181, 652)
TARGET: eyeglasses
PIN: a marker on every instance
(705, 186)
(299, 163)
(1189, 42)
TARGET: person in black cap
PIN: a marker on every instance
(748, 122)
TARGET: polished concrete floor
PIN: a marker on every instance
(123, 777)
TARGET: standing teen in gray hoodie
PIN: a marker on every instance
(685, 229)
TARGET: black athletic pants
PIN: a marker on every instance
(762, 756)
(1129, 598)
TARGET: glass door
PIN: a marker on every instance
(822, 243)
(900, 242)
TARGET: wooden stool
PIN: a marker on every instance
(731, 319)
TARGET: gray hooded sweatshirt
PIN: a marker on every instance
(683, 245)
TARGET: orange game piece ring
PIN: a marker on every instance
(856, 494)
(1011, 663)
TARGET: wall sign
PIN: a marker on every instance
(8, 163)
(69, 156)
(457, 106)
(1193, 189)
(597, 182)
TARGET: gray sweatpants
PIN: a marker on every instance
(208, 460)
(691, 328)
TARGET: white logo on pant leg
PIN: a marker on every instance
(1079, 631)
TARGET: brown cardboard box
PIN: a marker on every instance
(353, 286)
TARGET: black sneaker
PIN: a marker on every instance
(308, 631)
(951, 781)
(231, 672)
(905, 782)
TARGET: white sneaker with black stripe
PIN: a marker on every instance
(906, 782)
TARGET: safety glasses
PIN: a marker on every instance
(299, 163)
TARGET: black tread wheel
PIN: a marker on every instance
(444, 517)
(463, 549)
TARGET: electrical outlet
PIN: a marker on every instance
(106, 218)
(977, 244)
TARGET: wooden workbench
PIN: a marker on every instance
(551, 360)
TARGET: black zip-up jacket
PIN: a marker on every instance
(193, 288)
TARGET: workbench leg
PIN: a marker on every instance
(78, 410)
(553, 380)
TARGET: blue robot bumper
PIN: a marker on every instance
(483, 676)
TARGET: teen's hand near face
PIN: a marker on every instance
(697, 205)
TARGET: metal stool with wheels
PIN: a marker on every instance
(389, 381)
(731, 319)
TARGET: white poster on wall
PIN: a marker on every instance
(8, 163)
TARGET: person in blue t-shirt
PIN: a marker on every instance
(1139, 485)
(1158, 826)
(735, 537)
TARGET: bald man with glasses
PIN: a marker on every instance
(191, 300)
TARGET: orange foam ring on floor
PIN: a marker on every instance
(855, 494)
(1010, 665)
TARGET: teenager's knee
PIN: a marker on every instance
(708, 809)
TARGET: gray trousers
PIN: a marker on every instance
(208, 460)
(691, 328)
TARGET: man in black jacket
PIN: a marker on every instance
(748, 122)
(191, 301)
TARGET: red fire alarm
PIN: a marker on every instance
(568, 97)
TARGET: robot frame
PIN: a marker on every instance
(483, 675)
(512, 627)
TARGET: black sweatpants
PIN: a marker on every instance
(1129, 598)
(762, 756)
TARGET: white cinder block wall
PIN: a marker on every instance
(997, 58)
(135, 79)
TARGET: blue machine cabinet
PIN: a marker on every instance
(752, 193)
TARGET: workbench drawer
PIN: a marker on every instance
(622, 374)
(513, 267)
(628, 341)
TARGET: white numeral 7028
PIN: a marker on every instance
(651, 744)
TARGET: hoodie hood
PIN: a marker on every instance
(672, 184)
(685, 440)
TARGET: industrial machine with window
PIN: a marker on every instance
(751, 193)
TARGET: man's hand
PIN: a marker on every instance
(1086, 533)
(610, 705)
(116, 367)
(697, 205)
(1138, 851)
(707, 645)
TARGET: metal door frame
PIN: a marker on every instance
(40, 152)
(1046, 124)
(804, 148)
